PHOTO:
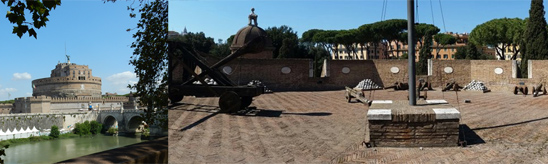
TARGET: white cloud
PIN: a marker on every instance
(21, 76)
(5, 91)
(118, 82)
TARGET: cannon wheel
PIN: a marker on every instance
(515, 90)
(348, 97)
(175, 98)
(229, 102)
(246, 101)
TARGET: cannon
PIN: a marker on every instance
(398, 86)
(521, 88)
(538, 89)
(182, 61)
(451, 86)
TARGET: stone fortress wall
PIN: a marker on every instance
(68, 80)
(46, 104)
(297, 74)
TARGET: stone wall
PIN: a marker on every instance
(269, 71)
(45, 104)
(41, 121)
(6, 108)
(460, 72)
(406, 134)
(342, 73)
(67, 87)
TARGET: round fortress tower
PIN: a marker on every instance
(68, 80)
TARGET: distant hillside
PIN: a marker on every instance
(7, 102)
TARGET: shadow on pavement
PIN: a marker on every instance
(468, 135)
(512, 124)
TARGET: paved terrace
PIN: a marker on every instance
(321, 127)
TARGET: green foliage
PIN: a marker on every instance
(444, 39)
(422, 30)
(82, 128)
(39, 9)
(7, 102)
(96, 127)
(425, 53)
(199, 41)
(3, 151)
(535, 36)
(150, 59)
(112, 130)
(404, 56)
(54, 132)
(499, 33)
(285, 42)
(472, 52)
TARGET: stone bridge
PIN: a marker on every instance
(127, 121)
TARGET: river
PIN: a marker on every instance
(63, 149)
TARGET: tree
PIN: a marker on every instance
(150, 61)
(535, 36)
(278, 35)
(96, 127)
(443, 39)
(326, 39)
(54, 133)
(390, 31)
(348, 38)
(199, 41)
(422, 30)
(472, 52)
(499, 33)
(39, 9)
(424, 54)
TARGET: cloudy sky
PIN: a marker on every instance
(94, 34)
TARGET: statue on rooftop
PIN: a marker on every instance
(68, 58)
(253, 17)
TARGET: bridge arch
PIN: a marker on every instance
(134, 122)
(110, 121)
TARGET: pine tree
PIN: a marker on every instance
(535, 36)
(425, 54)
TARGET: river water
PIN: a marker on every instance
(63, 149)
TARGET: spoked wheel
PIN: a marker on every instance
(246, 101)
(229, 102)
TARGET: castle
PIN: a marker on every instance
(70, 88)
(68, 80)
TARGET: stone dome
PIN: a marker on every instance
(249, 33)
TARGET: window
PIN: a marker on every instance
(438, 56)
(452, 56)
(445, 56)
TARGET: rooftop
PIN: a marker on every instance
(321, 127)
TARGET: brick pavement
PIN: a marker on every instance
(320, 127)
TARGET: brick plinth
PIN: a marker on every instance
(400, 125)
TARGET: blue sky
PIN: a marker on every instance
(220, 19)
(94, 33)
